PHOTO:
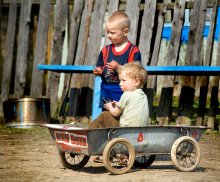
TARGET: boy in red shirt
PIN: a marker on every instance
(120, 52)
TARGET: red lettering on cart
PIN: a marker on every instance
(62, 137)
(194, 134)
(140, 137)
(71, 139)
(69, 148)
(78, 140)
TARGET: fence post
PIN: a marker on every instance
(8, 60)
(193, 57)
(40, 48)
(23, 40)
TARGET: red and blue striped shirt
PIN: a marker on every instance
(108, 53)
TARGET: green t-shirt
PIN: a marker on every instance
(135, 111)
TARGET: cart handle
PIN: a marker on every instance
(113, 130)
(184, 131)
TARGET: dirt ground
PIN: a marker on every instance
(31, 155)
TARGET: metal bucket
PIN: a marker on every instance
(26, 112)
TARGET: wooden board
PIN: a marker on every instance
(147, 26)
(22, 51)
(193, 58)
(207, 61)
(133, 11)
(56, 56)
(8, 61)
(171, 59)
(40, 48)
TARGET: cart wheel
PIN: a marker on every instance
(185, 153)
(118, 156)
(144, 161)
(73, 161)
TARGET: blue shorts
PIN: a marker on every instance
(109, 91)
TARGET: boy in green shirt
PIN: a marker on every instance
(132, 108)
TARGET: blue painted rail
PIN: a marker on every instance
(152, 70)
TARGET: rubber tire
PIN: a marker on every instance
(175, 157)
(145, 163)
(107, 153)
(75, 166)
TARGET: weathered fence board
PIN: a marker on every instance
(214, 84)
(1, 57)
(57, 46)
(208, 54)
(151, 83)
(74, 29)
(8, 61)
(133, 11)
(207, 61)
(112, 7)
(156, 49)
(80, 56)
(40, 48)
(218, 63)
(96, 29)
(174, 43)
(23, 40)
(196, 33)
(166, 97)
(147, 26)
(193, 56)
(76, 17)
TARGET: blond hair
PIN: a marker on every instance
(135, 70)
(121, 17)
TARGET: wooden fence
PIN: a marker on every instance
(72, 33)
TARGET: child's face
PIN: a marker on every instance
(127, 83)
(116, 33)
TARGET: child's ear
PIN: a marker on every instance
(126, 30)
(137, 82)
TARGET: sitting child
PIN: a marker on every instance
(132, 108)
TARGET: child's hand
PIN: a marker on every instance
(97, 71)
(110, 105)
(107, 105)
(114, 103)
(113, 108)
(113, 65)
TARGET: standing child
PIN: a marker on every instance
(132, 108)
(120, 52)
